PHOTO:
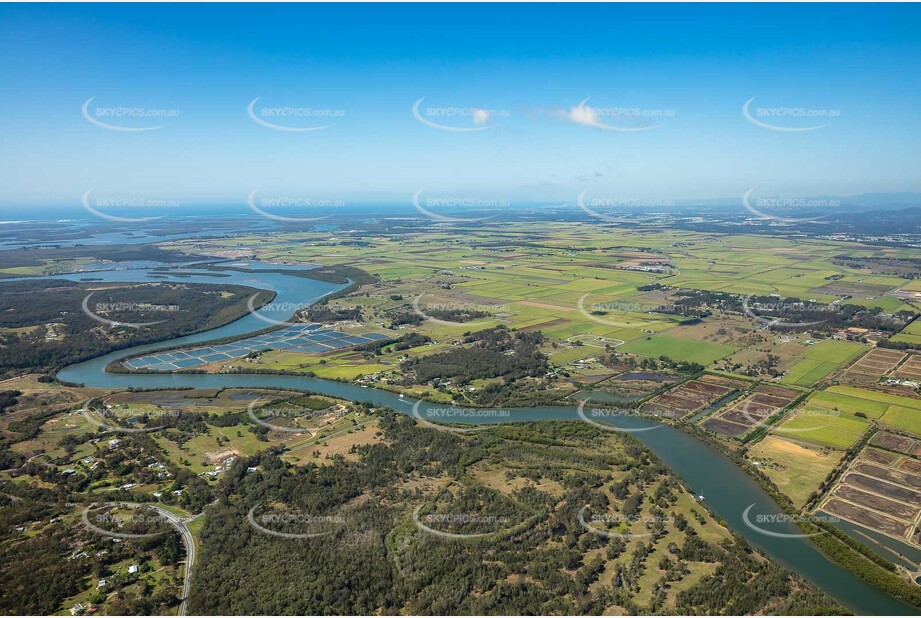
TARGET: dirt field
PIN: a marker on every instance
(725, 428)
(878, 456)
(892, 442)
(878, 503)
(685, 398)
(763, 402)
(213, 457)
(912, 465)
(321, 452)
(887, 474)
(910, 369)
(852, 288)
(737, 416)
(881, 489)
(868, 518)
(873, 365)
(777, 391)
(724, 381)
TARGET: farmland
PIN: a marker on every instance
(822, 359)
(524, 316)
(690, 397)
(589, 298)
(824, 428)
(544, 278)
(796, 469)
(910, 369)
(898, 411)
(910, 334)
(875, 364)
(700, 352)
(752, 410)
(879, 489)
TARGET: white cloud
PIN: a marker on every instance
(480, 117)
(583, 114)
(588, 116)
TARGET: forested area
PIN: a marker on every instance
(456, 315)
(323, 313)
(33, 257)
(40, 571)
(822, 317)
(535, 556)
(43, 325)
(490, 353)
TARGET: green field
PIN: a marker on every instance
(823, 427)
(908, 419)
(910, 334)
(832, 400)
(194, 450)
(857, 405)
(703, 352)
(550, 280)
(821, 360)
(893, 410)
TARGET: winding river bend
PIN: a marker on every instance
(727, 490)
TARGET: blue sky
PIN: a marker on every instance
(691, 68)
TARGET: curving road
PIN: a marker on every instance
(181, 524)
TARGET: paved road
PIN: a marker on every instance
(182, 525)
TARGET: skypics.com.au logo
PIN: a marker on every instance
(272, 207)
(454, 414)
(285, 308)
(758, 206)
(597, 312)
(106, 418)
(618, 525)
(754, 309)
(98, 311)
(463, 314)
(617, 119)
(619, 203)
(456, 204)
(291, 414)
(97, 207)
(314, 526)
(455, 119)
(757, 416)
(613, 419)
(762, 523)
(430, 523)
(126, 119)
(629, 306)
(296, 119)
(113, 523)
(787, 119)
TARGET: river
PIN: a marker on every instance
(727, 490)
